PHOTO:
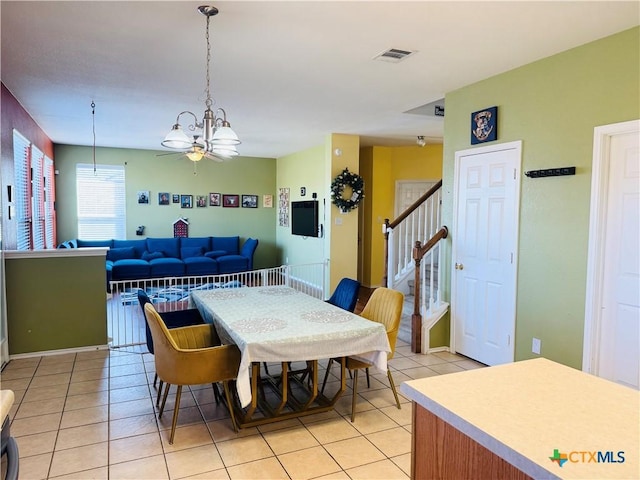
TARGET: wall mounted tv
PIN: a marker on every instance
(304, 218)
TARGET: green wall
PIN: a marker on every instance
(144, 170)
(302, 169)
(553, 106)
(45, 314)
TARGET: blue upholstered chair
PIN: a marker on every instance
(345, 295)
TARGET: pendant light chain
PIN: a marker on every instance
(208, 102)
(93, 121)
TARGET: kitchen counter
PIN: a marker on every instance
(523, 413)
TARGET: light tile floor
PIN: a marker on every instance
(92, 415)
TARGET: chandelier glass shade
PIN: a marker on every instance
(213, 135)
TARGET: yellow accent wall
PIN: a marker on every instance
(381, 168)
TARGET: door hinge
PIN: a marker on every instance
(512, 258)
(514, 173)
(508, 340)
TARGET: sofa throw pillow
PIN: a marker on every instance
(115, 254)
(152, 255)
(215, 253)
(188, 252)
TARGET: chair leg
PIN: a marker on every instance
(227, 394)
(160, 392)
(355, 395)
(368, 383)
(155, 380)
(164, 400)
(393, 388)
(216, 393)
(176, 409)
(326, 375)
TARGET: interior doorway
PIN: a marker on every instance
(612, 309)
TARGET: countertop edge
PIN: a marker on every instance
(490, 443)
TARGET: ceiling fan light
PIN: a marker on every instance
(177, 139)
(195, 156)
(225, 136)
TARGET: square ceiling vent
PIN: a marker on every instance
(394, 55)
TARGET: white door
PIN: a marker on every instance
(408, 191)
(485, 238)
(613, 289)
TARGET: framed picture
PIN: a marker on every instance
(175, 198)
(214, 199)
(267, 201)
(484, 125)
(201, 201)
(283, 207)
(143, 196)
(186, 201)
(163, 198)
(249, 201)
(230, 200)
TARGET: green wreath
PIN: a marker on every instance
(347, 179)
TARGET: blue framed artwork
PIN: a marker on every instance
(484, 125)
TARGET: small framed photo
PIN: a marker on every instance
(267, 201)
(214, 199)
(201, 201)
(186, 201)
(143, 196)
(163, 198)
(230, 200)
(484, 125)
(175, 198)
(249, 201)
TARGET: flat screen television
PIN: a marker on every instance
(304, 218)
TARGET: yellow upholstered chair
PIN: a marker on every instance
(189, 356)
(384, 306)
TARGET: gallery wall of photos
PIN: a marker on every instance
(201, 201)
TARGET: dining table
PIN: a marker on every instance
(278, 324)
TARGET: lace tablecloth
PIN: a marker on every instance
(280, 324)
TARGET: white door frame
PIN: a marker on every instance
(595, 256)
(517, 146)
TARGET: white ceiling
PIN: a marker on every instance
(287, 73)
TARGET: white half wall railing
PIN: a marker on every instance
(126, 323)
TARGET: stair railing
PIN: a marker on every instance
(427, 293)
(419, 222)
(412, 250)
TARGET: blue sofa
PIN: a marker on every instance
(172, 257)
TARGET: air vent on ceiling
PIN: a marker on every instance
(394, 55)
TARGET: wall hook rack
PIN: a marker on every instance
(551, 172)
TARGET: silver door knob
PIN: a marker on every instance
(459, 266)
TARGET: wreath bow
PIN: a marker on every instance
(347, 179)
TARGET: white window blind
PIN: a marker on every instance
(37, 197)
(101, 202)
(49, 203)
(22, 190)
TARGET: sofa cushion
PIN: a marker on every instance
(200, 266)
(215, 253)
(232, 264)
(229, 244)
(166, 267)
(169, 246)
(204, 242)
(131, 269)
(151, 255)
(187, 252)
(94, 243)
(115, 254)
(138, 245)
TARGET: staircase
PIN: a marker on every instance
(412, 257)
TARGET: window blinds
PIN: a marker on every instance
(101, 202)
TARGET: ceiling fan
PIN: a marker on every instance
(196, 152)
